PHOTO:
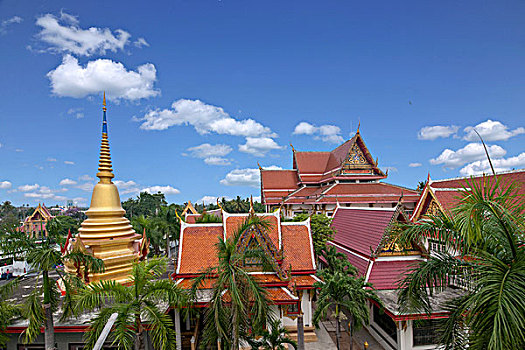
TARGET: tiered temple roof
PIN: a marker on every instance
(35, 224)
(347, 174)
(287, 244)
(444, 194)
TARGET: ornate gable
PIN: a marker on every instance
(255, 239)
(387, 247)
(428, 204)
(358, 160)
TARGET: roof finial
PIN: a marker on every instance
(105, 171)
(358, 126)
(259, 165)
(252, 211)
(293, 149)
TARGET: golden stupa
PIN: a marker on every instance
(106, 233)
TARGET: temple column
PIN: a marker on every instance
(178, 337)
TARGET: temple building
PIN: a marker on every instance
(443, 194)
(106, 233)
(319, 181)
(35, 224)
(362, 234)
(288, 247)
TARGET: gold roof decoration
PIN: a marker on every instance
(107, 234)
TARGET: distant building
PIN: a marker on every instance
(35, 224)
(319, 181)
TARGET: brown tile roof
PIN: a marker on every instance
(302, 281)
(297, 248)
(279, 179)
(311, 162)
(198, 248)
(281, 295)
(516, 176)
(358, 262)
(234, 222)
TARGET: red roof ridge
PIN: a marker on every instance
(370, 208)
(398, 186)
(479, 175)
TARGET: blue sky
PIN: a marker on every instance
(200, 91)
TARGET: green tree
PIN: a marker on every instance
(272, 338)
(61, 225)
(154, 231)
(237, 302)
(484, 248)
(321, 230)
(145, 204)
(343, 292)
(136, 305)
(7, 310)
(44, 257)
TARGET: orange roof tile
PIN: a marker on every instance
(279, 179)
(198, 248)
(297, 248)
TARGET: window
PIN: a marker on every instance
(425, 332)
(385, 323)
(436, 246)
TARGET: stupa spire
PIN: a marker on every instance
(105, 170)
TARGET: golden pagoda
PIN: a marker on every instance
(106, 233)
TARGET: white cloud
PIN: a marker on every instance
(4, 185)
(85, 178)
(7, 22)
(434, 132)
(16, 150)
(242, 177)
(259, 146)
(26, 188)
(467, 154)
(63, 35)
(70, 79)
(43, 192)
(210, 200)
(164, 189)
(51, 159)
(391, 169)
(212, 154)
(68, 162)
(76, 112)
(491, 131)
(140, 43)
(483, 166)
(87, 186)
(127, 187)
(415, 165)
(327, 133)
(204, 118)
(67, 182)
(217, 161)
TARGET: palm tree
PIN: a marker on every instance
(7, 310)
(144, 301)
(46, 259)
(344, 292)
(272, 339)
(237, 302)
(485, 248)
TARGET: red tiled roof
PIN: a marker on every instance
(279, 179)
(303, 281)
(279, 295)
(198, 253)
(378, 188)
(311, 162)
(386, 274)
(361, 230)
(448, 199)
(360, 263)
(297, 248)
(517, 176)
(234, 222)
